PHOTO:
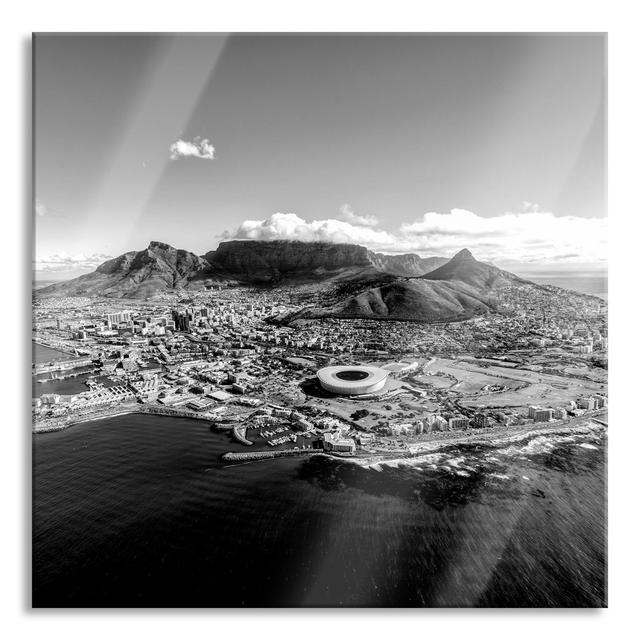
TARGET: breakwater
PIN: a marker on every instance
(239, 434)
(244, 456)
(169, 411)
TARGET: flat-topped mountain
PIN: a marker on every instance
(291, 261)
(160, 268)
(282, 261)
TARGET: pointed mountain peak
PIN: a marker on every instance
(464, 255)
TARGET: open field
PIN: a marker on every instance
(520, 387)
(436, 381)
(471, 378)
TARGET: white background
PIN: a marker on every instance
(616, 18)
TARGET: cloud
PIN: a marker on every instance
(534, 237)
(65, 262)
(528, 207)
(520, 237)
(40, 208)
(289, 226)
(352, 218)
(197, 148)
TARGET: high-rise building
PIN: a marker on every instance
(439, 423)
(118, 317)
(181, 320)
(480, 420)
(543, 415)
(587, 403)
(601, 401)
(458, 423)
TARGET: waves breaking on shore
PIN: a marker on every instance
(469, 457)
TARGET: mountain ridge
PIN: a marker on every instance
(161, 267)
(462, 288)
(353, 281)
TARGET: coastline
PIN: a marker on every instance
(122, 411)
(64, 348)
(576, 426)
(399, 458)
(586, 425)
(366, 459)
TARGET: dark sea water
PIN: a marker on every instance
(140, 511)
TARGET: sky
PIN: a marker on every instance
(424, 143)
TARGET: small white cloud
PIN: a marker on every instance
(196, 148)
(352, 218)
(65, 262)
(40, 208)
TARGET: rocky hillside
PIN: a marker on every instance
(463, 267)
(415, 299)
(407, 264)
(462, 288)
(140, 274)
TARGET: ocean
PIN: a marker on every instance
(593, 284)
(139, 511)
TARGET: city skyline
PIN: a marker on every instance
(405, 144)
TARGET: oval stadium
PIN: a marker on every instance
(353, 380)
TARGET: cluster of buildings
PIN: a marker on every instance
(574, 408)
(539, 414)
(55, 405)
(220, 355)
